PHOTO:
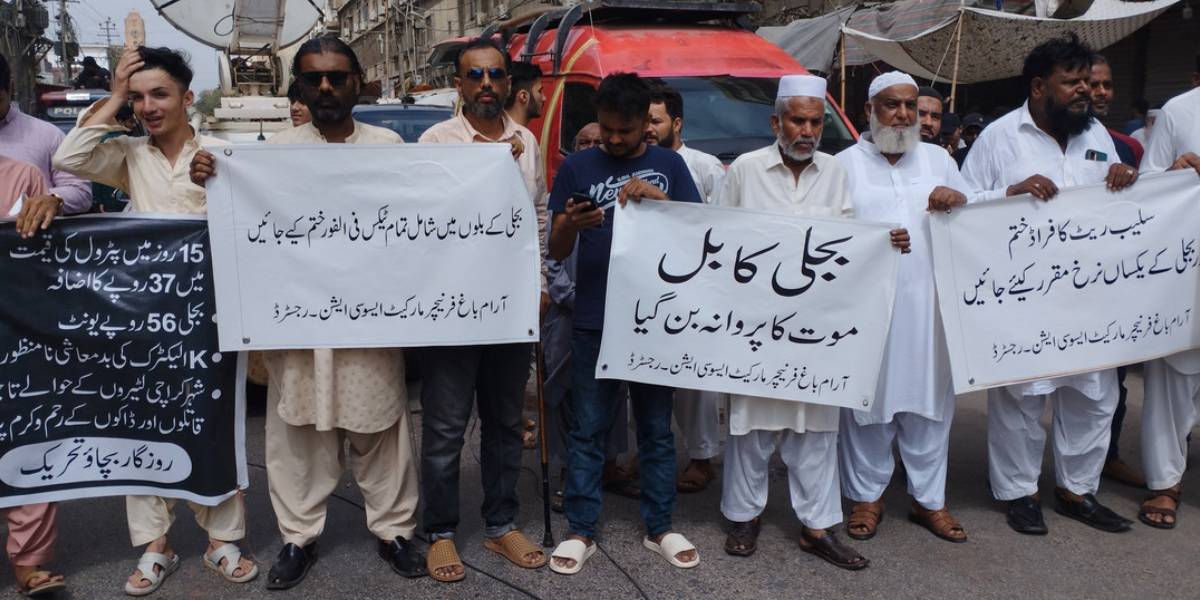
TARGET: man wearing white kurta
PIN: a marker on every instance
(792, 177)
(697, 412)
(1172, 404)
(1050, 142)
(895, 178)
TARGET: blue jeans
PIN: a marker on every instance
(593, 408)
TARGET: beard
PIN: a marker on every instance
(1065, 122)
(668, 141)
(894, 140)
(328, 109)
(485, 110)
(788, 147)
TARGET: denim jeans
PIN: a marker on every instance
(452, 379)
(593, 409)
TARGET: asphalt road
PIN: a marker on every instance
(1074, 561)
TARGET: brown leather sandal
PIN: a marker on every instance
(516, 548)
(938, 522)
(743, 537)
(1145, 511)
(864, 521)
(695, 477)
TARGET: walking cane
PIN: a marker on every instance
(548, 536)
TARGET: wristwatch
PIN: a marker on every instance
(61, 203)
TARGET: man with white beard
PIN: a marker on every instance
(895, 178)
(1172, 404)
(792, 177)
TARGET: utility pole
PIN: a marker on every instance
(64, 30)
(109, 29)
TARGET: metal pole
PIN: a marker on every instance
(957, 47)
(548, 535)
(842, 78)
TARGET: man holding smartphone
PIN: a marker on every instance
(587, 188)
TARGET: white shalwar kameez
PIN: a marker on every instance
(914, 399)
(698, 412)
(1008, 152)
(1172, 404)
(805, 434)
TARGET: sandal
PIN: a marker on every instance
(516, 547)
(671, 545)
(1145, 511)
(833, 551)
(939, 522)
(50, 585)
(146, 565)
(232, 555)
(572, 549)
(620, 481)
(743, 537)
(442, 554)
(865, 517)
(695, 478)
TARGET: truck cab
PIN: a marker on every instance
(727, 75)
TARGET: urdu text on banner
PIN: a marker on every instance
(348, 246)
(1089, 280)
(747, 302)
(111, 382)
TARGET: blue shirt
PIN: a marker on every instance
(600, 176)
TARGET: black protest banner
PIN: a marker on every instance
(110, 378)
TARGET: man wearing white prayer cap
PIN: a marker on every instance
(790, 176)
(895, 178)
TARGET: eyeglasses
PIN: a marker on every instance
(476, 73)
(313, 78)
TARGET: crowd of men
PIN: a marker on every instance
(321, 401)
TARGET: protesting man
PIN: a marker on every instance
(930, 104)
(894, 178)
(153, 172)
(1130, 151)
(790, 176)
(491, 377)
(696, 412)
(32, 528)
(624, 168)
(32, 140)
(1050, 142)
(1172, 404)
(525, 98)
(320, 399)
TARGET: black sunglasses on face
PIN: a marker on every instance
(476, 73)
(313, 78)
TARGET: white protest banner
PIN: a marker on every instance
(1089, 280)
(359, 246)
(746, 302)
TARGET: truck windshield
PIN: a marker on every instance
(727, 116)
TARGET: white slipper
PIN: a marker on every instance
(232, 555)
(672, 544)
(572, 550)
(146, 565)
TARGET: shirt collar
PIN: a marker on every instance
(350, 139)
(13, 111)
(775, 160)
(509, 128)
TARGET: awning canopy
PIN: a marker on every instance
(812, 42)
(994, 44)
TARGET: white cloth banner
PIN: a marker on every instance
(747, 302)
(1089, 280)
(349, 246)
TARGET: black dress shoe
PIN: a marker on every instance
(1089, 511)
(404, 557)
(291, 566)
(1025, 516)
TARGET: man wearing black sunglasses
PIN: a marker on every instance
(494, 376)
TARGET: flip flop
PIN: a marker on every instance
(48, 587)
(571, 549)
(146, 565)
(672, 544)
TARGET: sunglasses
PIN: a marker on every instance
(313, 78)
(476, 73)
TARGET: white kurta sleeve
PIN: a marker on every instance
(1161, 153)
(729, 191)
(980, 172)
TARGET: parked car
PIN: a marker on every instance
(63, 107)
(727, 75)
(408, 120)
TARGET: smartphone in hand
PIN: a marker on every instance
(580, 198)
